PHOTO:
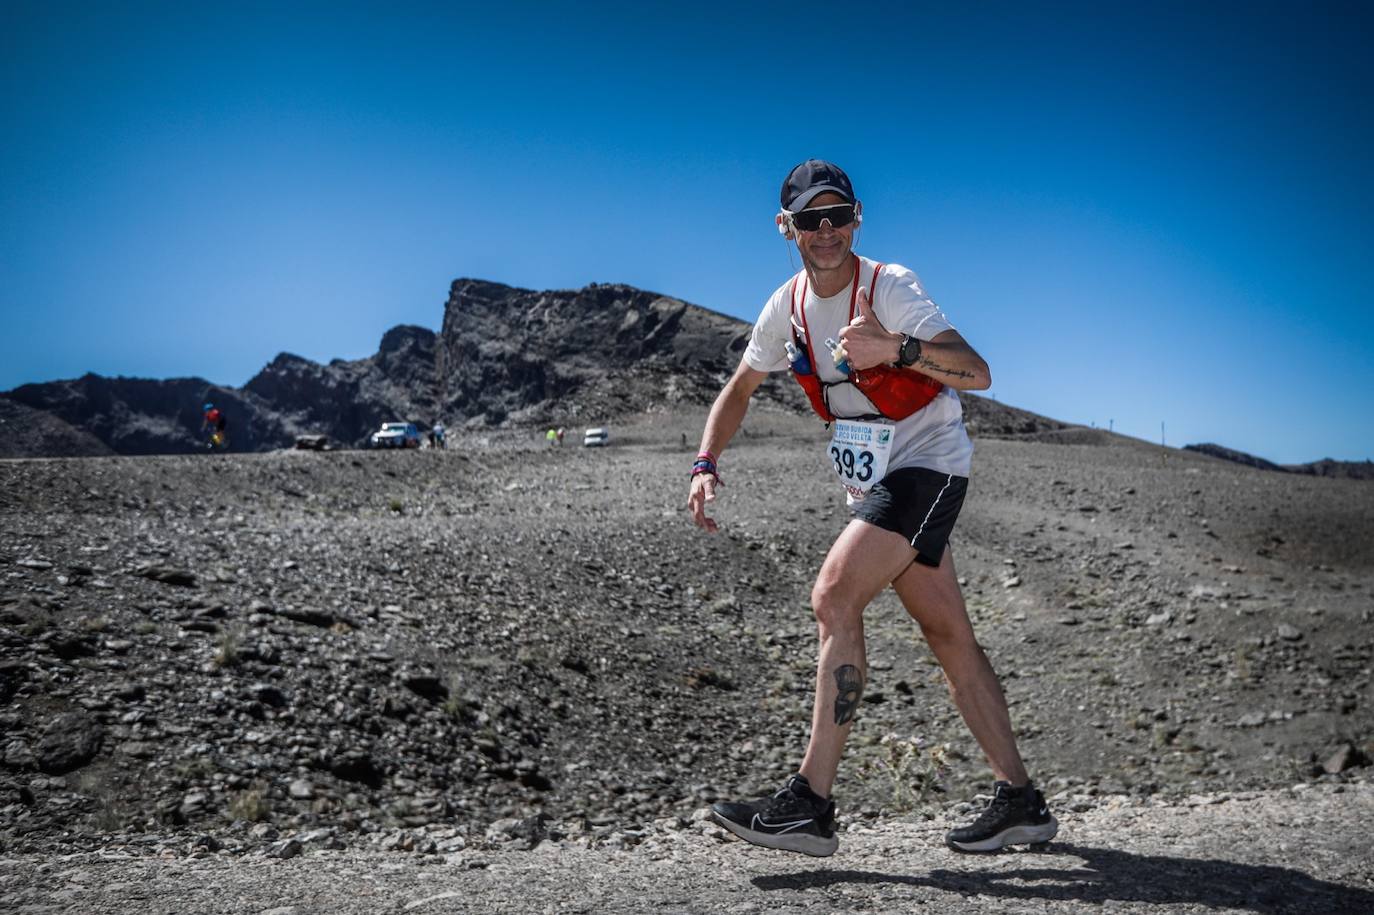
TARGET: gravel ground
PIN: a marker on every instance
(1273, 851)
(233, 683)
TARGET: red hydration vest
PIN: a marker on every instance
(896, 392)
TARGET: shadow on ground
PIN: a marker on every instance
(1105, 874)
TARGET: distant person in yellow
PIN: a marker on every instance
(551, 437)
(881, 364)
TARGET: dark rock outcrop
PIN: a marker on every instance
(504, 355)
(69, 742)
(989, 418)
(25, 431)
(1351, 470)
(1326, 467)
(348, 401)
(1230, 454)
(597, 352)
(146, 416)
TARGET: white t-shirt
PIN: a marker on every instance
(934, 436)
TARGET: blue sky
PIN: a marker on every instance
(1152, 213)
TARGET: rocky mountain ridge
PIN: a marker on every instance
(504, 356)
(1326, 467)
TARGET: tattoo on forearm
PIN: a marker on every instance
(926, 362)
(850, 686)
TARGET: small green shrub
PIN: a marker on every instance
(456, 701)
(904, 771)
(106, 815)
(34, 627)
(251, 805)
(227, 655)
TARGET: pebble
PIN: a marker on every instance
(285, 849)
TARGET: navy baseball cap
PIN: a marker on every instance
(811, 179)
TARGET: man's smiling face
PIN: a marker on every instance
(827, 248)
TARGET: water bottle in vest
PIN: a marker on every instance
(838, 354)
(800, 364)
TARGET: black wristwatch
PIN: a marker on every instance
(910, 352)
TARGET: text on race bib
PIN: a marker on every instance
(859, 452)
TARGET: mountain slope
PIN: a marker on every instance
(504, 355)
(25, 431)
(1351, 470)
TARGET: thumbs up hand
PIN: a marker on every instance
(865, 339)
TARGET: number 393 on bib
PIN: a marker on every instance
(859, 452)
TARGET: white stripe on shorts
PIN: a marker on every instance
(949, 479)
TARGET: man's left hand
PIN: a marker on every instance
(866, 341)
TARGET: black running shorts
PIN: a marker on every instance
(921, 505)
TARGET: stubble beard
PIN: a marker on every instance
(815, 267)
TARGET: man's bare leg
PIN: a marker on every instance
(863, 560)
(933, 599)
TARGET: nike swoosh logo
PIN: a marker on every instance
(781, 827)
(1044, 811)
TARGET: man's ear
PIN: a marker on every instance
(858, 211)
(784, 229)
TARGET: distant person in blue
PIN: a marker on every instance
(881, 365)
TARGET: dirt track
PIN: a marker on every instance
(1280, 851)
(373, 643)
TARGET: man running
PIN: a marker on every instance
(881, 364)
(217, 424)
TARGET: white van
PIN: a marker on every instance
(596, 438)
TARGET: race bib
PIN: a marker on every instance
(859, 452)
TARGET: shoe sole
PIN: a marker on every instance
(1016, 835)
(805, 843)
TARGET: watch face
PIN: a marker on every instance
(911, 349)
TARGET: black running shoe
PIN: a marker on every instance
(794, 819)
(1014, 816)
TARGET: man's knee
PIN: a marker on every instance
(832, 609)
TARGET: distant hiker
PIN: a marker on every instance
(881, 365)
(551, 437)
(431, 437)
(560, 436)
(438, 433)
(216, 424)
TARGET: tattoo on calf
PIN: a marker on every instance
(850, 685)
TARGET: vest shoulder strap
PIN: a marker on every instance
(873, 285)
(799, 318)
